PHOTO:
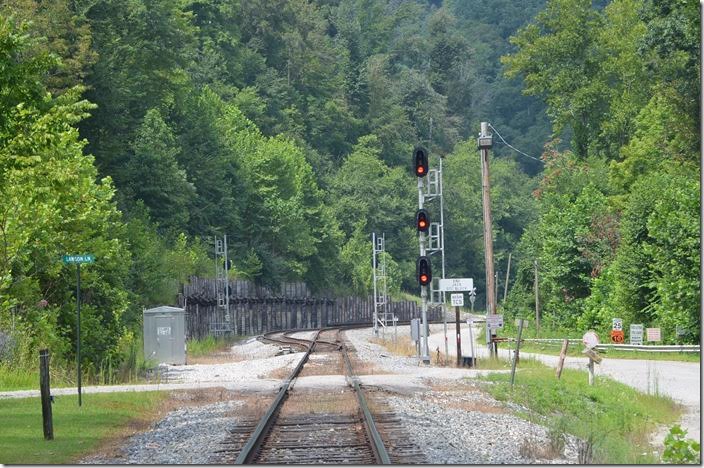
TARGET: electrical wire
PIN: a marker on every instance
(513, 148)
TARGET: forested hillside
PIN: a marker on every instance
(136, 129)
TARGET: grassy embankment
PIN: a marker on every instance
(77, 431)
(614, 418)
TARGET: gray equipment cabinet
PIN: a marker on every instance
(165, 335)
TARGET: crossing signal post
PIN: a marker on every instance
(420, 169)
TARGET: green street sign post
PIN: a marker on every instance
(78, 259)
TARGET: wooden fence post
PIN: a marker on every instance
(563, 354)
(45, 389)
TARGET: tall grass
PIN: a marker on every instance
(208, 345)
(616, 419)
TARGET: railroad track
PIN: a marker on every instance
(320, 426)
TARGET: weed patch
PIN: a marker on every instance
(613, 419)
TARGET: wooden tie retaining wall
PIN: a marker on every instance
(260, 310)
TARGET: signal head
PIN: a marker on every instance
(420, 161)
(423, 271)
(422, 220)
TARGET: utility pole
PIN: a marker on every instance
(485, 142)
(537, 299)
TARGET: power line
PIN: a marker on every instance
(513, 148)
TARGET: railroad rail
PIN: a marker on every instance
(309, 437)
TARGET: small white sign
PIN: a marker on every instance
(456, 284)
(617, 324)
(653, 334)
(590, 340)
(457, 299)
(636, 335)
(163, 330)
(495, 321)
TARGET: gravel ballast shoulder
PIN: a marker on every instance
(448, 429)
(185, 436)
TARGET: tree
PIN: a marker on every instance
(53, 206)
(155, 176)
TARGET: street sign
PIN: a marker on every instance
(617, 336)
(617, 324)
(85, 258)
(457, 299)
(590, 340)
(636, 335)
(456, 284)
(653, 334)
(494, 321)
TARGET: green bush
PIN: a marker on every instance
(679, 450)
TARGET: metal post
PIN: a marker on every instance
(488, 241)
(515, 355)
(374, 260)
(459, 339)
(508, 271)
(227, 290)
(442, 255)
(425, 354)
(78, 329)
(471, 339)
(45, 390)
(537, 299)
(590, 368)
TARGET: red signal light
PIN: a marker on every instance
(420, 161)
(423, 272)
(422, 220)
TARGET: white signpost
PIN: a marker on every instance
(653, 334)
(495, 321)
(457, 300)
(636, 335)
(456, 284)
(590, 340)
(617, 324)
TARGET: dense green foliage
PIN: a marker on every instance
(618, 228)
(136, 129)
